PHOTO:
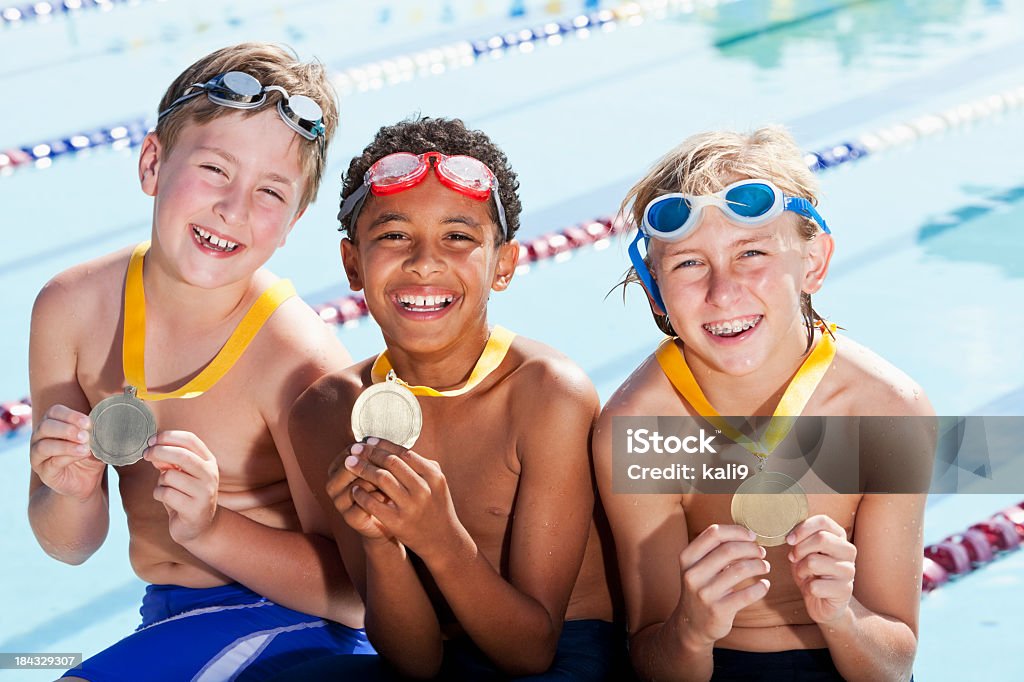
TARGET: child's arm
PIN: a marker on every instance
(680, 596)
(300, 570)
(870, 627)
(68, 505)
(515, 622)
(865, 592)
(400, 620)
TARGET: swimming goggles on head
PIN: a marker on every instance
(748, 203)
(239, 90)
(403, 170)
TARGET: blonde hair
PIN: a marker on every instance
(706, 162)
(270, 64)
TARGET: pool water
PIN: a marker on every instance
(927, 270)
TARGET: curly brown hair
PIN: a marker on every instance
(451, 137)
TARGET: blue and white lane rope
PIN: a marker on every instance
(131, 133)
(905, 133)
(463, 53)
(348, 310)
(15, 15)
(42, 154)
(378, 74)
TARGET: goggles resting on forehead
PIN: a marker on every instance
(403, 170)
(239, 90)
(748, 203)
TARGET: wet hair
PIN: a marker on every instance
(448, 136)
(706, 162)
(271, 65)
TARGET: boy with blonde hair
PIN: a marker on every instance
(209, 350)
(735, 250)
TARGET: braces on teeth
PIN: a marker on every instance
(732, 327)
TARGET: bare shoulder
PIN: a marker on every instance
(867, 384)
(80, 293)
(319, 420)
(329, 396)
(542, 370)
(294, 349)
(296, 333)
(646, 391)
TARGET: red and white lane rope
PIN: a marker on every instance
(967, 551)
(558, 245)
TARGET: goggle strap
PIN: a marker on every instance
(501, 212)
(641, 270)
(181, 100)
(801, 206)
(353, 204)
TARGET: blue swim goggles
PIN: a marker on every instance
(749, 203)
(239, 90)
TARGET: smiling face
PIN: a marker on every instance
(427, 258)
(733, 292)
(226, 196)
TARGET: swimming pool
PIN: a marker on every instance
(926, 273)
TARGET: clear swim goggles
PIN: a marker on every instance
(748, 203)
(403, 170)
(239, 90)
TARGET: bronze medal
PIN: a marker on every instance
(389, 411)
(121, 428)
(770, 504)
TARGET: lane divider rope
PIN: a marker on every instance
(371, 76)
(558, 246)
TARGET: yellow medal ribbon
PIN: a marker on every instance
(134, 349)
(792, 404)
(494, 352)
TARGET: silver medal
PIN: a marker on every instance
(388, 411)
(121, 428)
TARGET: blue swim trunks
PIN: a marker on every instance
(215, 635)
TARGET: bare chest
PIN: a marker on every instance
(783, 604)
(226, 418)
(474, 443)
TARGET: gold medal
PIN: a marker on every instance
(121, 428)
(771, 504)
(387, 410)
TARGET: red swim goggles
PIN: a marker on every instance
(403, 170)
